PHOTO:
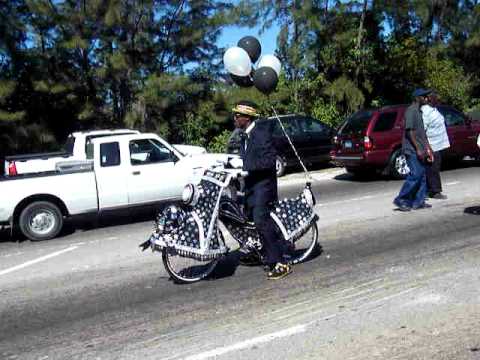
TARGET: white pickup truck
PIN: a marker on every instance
(77, 147)
(126, 171)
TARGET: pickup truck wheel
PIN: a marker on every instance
(280, 165)
(398, 167)
(41, 220)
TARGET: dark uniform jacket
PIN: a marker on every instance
(259, 159)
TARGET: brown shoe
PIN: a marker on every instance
(279, 271)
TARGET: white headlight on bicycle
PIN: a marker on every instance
(190, 194)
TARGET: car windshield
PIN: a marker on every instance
(356, 123)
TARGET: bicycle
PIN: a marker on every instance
(190, 237)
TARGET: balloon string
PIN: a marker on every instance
(308, 177)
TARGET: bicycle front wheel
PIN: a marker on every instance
(305, 245)
(185, 270)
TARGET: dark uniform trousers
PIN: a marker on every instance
(259, 160)
(434, 183)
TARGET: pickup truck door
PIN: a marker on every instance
(153, 176)
(110, 176)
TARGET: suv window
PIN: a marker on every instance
(290, 124)
(109, 154)
(452, 117)
(309, 125)
(149, 151)
(385, 121)
(357, 122)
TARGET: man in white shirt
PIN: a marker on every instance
(437, 136)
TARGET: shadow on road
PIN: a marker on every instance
(228, 265)
(107, 220)
(362, 177)
(472, 210)
(370, 176)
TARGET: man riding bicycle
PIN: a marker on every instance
(259, 159)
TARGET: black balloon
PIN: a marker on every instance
(252, 46)
(242, 81)
(265, 79)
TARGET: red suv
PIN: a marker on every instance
(371, 140)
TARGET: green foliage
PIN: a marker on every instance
(449, 81)
(219, 142)
(345, 94)
(327, 113)
(155, 65)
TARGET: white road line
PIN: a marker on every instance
(248, 343)
(34, 261)
(453, 183)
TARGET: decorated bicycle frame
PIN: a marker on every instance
(193, 230)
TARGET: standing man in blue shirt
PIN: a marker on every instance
(417, 150)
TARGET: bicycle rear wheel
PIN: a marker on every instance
(305, 245)
(185, 270)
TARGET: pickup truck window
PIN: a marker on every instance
(109, 154)
(89, 144)
(68, 147)
(149, 151)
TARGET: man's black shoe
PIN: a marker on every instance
(250, 259)
(422, 206)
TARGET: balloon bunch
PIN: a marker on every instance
(239, 62)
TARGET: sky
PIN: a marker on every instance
(268, 40)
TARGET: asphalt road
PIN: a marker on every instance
(388, 285)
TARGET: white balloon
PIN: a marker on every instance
(237, 61)
(270, 61)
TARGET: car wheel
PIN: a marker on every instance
(280, 165)
(41, 220)
(398, 165)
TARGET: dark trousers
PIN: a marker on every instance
(434, 183)
(414, 188)
(272, 246)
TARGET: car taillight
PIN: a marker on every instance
(12, 169)
(367, 143)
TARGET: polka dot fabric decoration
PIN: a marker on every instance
(194, 232)
(293, 216)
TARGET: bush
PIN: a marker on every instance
(219, 142)
(326, 113)
(453, 86)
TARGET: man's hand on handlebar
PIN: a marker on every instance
(234, 163)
